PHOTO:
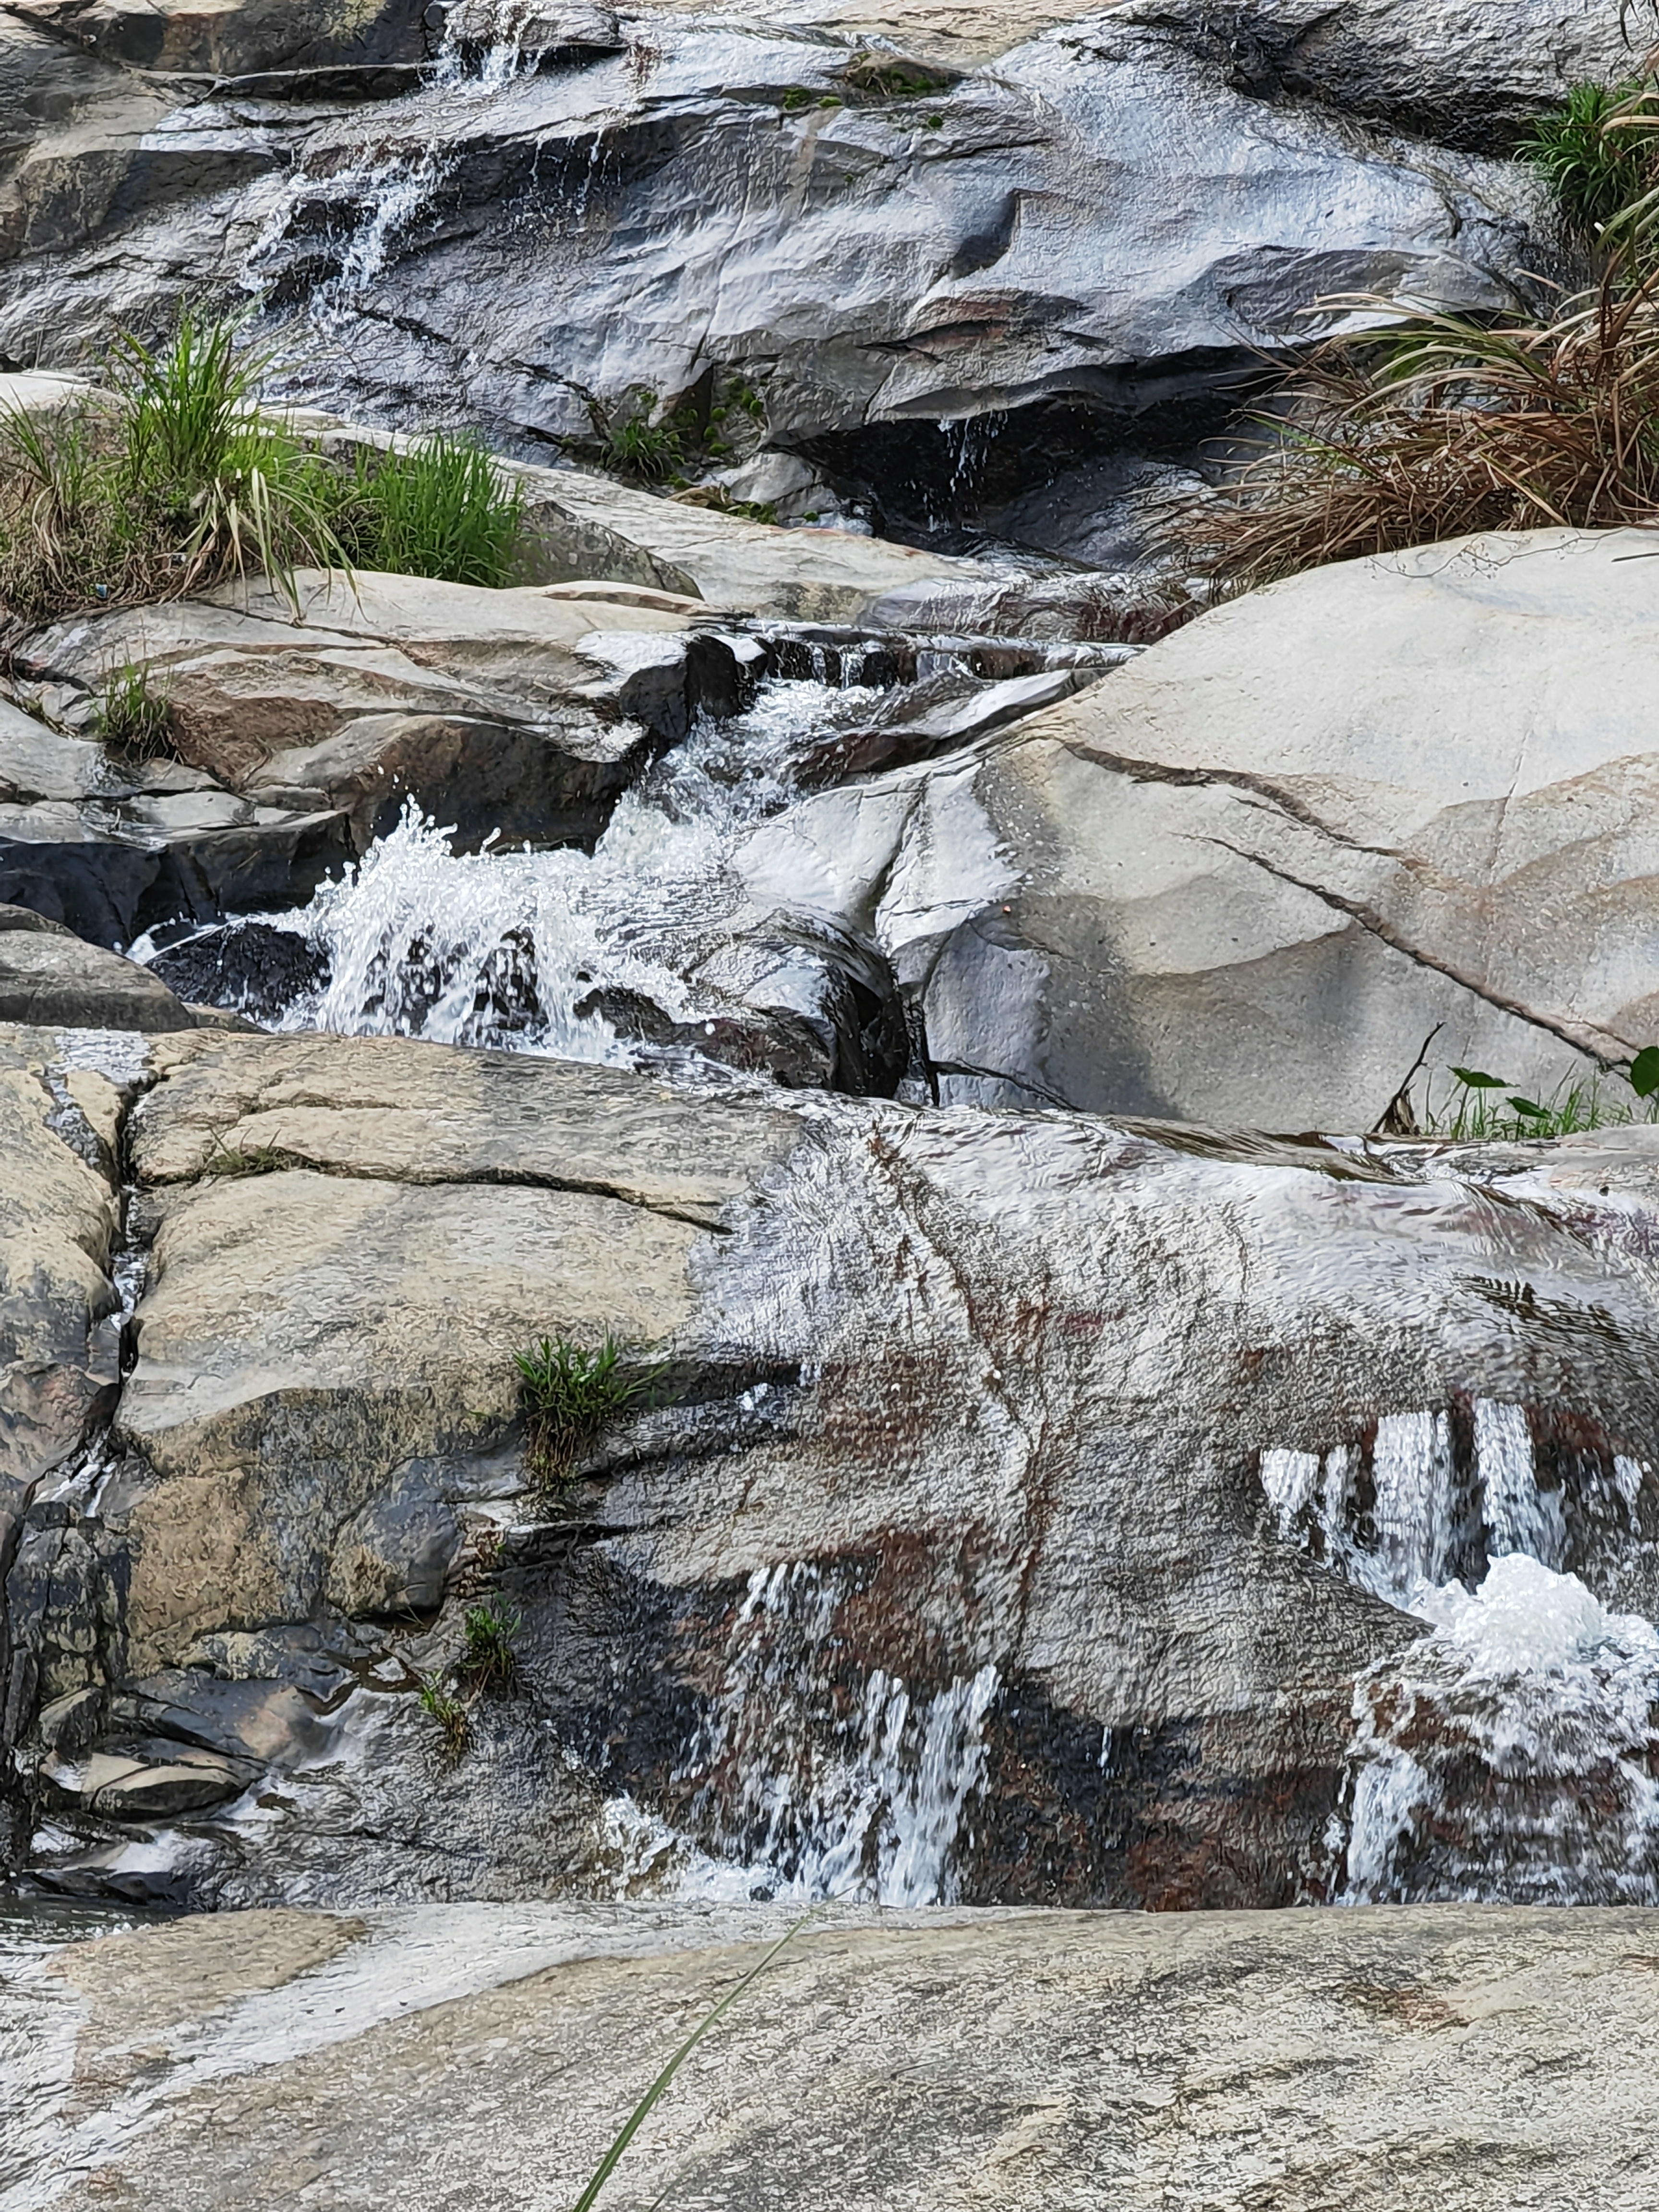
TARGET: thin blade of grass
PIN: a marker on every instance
(641, 2111)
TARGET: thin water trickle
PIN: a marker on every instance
(804, 1782)
(515, 949)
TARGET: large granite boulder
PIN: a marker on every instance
(1396, 803)
(955, 1551)
(1013, 2063)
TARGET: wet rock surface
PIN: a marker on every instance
(1238, 2060)
(502, 710)
(953, 1557)
(49, 977)
(830, 233)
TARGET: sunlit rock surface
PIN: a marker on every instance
(1393, 802)
(489, 2058)
(962, 1552)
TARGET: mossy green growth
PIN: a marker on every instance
(890, 77)
(567, 1393)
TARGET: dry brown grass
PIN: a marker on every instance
(1437, 427)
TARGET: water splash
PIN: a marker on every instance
(511, 950)
(1512, 1754)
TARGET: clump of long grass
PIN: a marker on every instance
(169, 479)
(1595, 154)
(439, 510)
(567, 1393)
(1437, 427)
(165, 483)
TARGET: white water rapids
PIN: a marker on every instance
(501, 949)
(1511, 1753)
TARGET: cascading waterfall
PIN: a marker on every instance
(1511, 1753)
(505, 949)
(808, 1781)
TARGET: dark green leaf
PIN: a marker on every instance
(1533, 1112)
(1645, 1071)
(1476, 1081)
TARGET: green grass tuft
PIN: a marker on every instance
(166, 482)
(1482, 1109)
(131, 714)
(170, 480)
(441, 509)
(1594, 170)
(488, 1661)
(446, 1709)
(567, 1395)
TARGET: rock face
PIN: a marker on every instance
(50, 978)
(959, 1553)
(1208, 889)
(856, 236)
(1238, 2060)
(1458, 71)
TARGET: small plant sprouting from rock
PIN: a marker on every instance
(438, 1699)
(132, 715)
(1481, 1108)
(488, 1664)
(567, 1395)
(222, 1158)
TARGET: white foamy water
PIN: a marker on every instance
(803, 1784)
(1511, 1752)
(501, 949)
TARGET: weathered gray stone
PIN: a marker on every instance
(156, 1793)
(510, 710)
(49, 977)
(393, 1556)
(232, 37)
(1102, 201)
(1378, 2059)
(974, 1404)
(1462, 72)
(1243, 880)
(57, 1223)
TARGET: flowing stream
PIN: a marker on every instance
(526, 951)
